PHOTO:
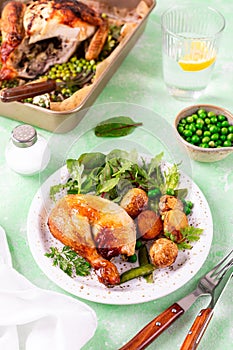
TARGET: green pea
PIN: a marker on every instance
(223, 137)
(204, 145)
(192, 127)
(205, 139)
(206, 129)
(224, 131)
(180, 128)
(207, 133)
(213, 129)
(195, 139)
(132, 258)
(200, 125)
(214, 120)
(201, 113)
(187, 133)
(215, 136)
(218, 142)
(211, 114)
(230, 137)
(227, 143)
(200, 121)
(187, 210)
(190, 119)
(78, 69)
(211, 144)
(221, 117)
(154, 192)
(170, 192)
(225, 123)
(189, 204)
(199, 132)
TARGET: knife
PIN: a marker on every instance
(21, 92)
(202, 320)
(159, 324)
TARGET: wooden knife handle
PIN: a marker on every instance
(197, 330)
(153, 329)
(28, 90)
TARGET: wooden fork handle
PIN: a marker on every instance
(197, 330)
(153, 329)
(28, 90)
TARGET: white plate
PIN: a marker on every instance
(136, 291)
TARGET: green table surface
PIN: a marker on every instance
(139, 81)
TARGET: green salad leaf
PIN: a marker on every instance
(116, 127)
(112, 175)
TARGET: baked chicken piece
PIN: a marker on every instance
(97, 229)
(45, 32)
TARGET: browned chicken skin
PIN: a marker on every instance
(91, 225)
(12, 35)
(45, 32)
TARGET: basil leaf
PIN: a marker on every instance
(116, 127)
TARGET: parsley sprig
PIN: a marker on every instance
(190, 234)
(69, 261)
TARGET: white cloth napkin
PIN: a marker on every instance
(32, 318)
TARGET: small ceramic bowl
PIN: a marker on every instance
(198, 153)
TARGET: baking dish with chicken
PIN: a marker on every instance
(130, 220)
(58, 40)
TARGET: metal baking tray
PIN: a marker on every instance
(64, 121)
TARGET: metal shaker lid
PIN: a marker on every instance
(24, 136)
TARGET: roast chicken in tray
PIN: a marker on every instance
(38, 34)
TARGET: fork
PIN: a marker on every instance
(215, 281)
(34, 89)
(213, 284)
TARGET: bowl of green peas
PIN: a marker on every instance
(206, 131)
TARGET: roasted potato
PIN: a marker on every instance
(167, 203)
(163, 252)
(149, 224)
(174, 220)
(134, 201)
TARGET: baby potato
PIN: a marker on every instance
(163, 252)
(134, 201)
(168, 202)
(149, 224)
(174, 220)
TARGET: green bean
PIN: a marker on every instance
(143, 258)
(135, 272)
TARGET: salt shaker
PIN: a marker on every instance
(27, 152)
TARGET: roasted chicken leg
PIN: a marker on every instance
(97, 229)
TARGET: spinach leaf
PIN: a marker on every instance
(116, 127)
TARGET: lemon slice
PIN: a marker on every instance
(197, 58)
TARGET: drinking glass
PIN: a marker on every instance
(190, 42)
